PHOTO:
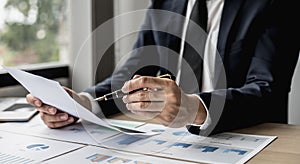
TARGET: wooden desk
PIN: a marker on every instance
(285, 149)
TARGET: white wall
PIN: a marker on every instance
(294, 99)
(81, 27)
(125, 45)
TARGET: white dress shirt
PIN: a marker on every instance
(214, 8)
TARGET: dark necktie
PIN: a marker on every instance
(191, 76)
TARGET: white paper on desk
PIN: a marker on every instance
(16, 148)
(92, 154)
(177, 143)
(51, 92)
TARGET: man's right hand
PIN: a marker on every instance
(53, 117)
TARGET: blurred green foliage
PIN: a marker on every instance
(36, 37)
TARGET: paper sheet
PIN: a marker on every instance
(175, 143)
(180, 144)
(91, 154)
(51, 92)
(83, 132)
(26, 149)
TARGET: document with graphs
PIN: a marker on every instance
(17, 148)
(92, 154)
(180, 144)
(171, 143)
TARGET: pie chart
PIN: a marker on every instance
(37, 147)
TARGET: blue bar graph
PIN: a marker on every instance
(179, 144)
(8, 158)
(239, 152)
(125, 139)
(206, 148)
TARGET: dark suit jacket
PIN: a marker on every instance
(258, 46)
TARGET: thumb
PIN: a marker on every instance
(136, 76)
(69, 91)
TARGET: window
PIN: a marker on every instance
(33, 31)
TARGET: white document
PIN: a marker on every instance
(176, 143)
(51, 92)
(180, 144)
(73, 133)
(91, 154)
(26, 149)
(83, 132)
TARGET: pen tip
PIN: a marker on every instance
(100, 98)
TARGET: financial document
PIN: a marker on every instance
(17, 148)
(174, 143)
(178, 143)
(92, 154)
(83, 132)
(52, 93)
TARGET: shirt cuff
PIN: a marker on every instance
(207, 121)
(95, 106)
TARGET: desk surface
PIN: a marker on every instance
(285, 149)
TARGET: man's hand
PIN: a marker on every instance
(53, 117)
(164, 101)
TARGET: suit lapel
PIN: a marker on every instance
(179, 7)
(230, 10)
(174, 26)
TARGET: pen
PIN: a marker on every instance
(120, 94)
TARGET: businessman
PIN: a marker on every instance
(257, 42)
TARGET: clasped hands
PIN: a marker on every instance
(164, 102)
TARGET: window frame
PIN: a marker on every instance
(47, 70)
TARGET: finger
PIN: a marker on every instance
(55, 125)
(161, 121)
(145, 82)
(146, 106)
(54, 118)
(148, 115)
(145, 96)
(167, 117)
(70, 92)
(33, 100)
(134, 77)
(48, 109)
(167, 121)
(173, 120)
